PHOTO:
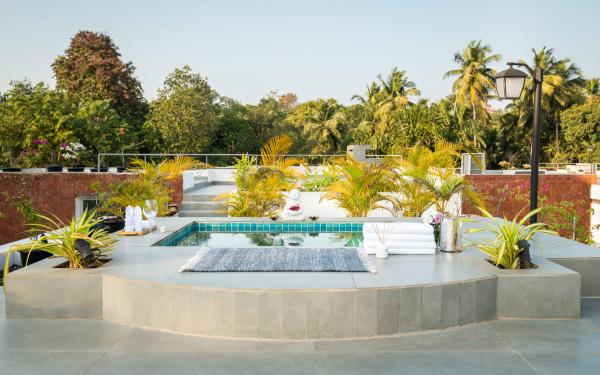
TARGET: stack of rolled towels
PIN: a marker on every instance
(399, 237)
(134, 221)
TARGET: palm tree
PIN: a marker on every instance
(382, 100)
(361, 186)
(562, 87)
(395, 91)
(474, 78)
(592, 87)
(325, 125)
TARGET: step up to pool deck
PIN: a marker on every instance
(142, 286)
(200, 201)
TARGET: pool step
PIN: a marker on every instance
(201, 213)
(202, 206)
(198, 197)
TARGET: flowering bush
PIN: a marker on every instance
(71, 151)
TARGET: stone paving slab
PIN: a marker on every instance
(500, 347)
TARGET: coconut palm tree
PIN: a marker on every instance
(395, 91)
(473, 85)
(592, 87)
(562, 87)
(382, 101)
(325, 126)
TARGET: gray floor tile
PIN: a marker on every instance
(459, 363)
(140, 340)
(203, 363)
(52, 363)
(476, 337)
(59, 335)
(549, 336)
(565, 363)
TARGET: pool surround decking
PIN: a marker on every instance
(141, 286)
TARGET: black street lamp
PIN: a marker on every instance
(509, 84)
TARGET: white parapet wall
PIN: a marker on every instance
(595, 216)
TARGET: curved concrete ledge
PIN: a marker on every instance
(141, 287)
(297, 314)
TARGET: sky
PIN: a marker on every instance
(247, 49)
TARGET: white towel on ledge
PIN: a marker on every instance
(398, 228)
(396, 237)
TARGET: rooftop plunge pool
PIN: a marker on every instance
(256, 234)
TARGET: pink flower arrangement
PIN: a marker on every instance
(437, 219)
(295, 207)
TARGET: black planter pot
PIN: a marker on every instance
(120, 169)
(114, 224)
(76, 168)
(54, 168)
(102, 169)
(11, 169)
(34, 256)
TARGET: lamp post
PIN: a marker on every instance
(509, 84)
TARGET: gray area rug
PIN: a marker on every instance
(279, 259)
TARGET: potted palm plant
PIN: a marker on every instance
(361, 187)
(434, 171)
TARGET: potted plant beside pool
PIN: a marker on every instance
(509, 247)
(81, 242)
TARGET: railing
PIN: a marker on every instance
(215, 160)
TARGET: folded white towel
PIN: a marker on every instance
(400, 245)
(400, 237)
(407, 251)
(398, 228)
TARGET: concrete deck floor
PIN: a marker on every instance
(501, 347)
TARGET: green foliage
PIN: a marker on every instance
(503, 250)
(320, 182)
(434, 170)
(474, 82)
(260, 188)
(100, 128)
(59, 239)
(581, 131)
(151, 181)
(34, 121)
(184, 117)
(91, 69)
(361, 186)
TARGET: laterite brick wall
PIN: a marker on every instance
(501, 191)
(51, 193)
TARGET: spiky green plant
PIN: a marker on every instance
(58, 238)
(503, 250)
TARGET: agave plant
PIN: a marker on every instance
(504, 250)
(260, 188)
(361, 186)
(64, 240)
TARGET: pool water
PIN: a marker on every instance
(266, 234)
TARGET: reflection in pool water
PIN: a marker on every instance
(212, 239)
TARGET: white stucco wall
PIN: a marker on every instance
(595, 217)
